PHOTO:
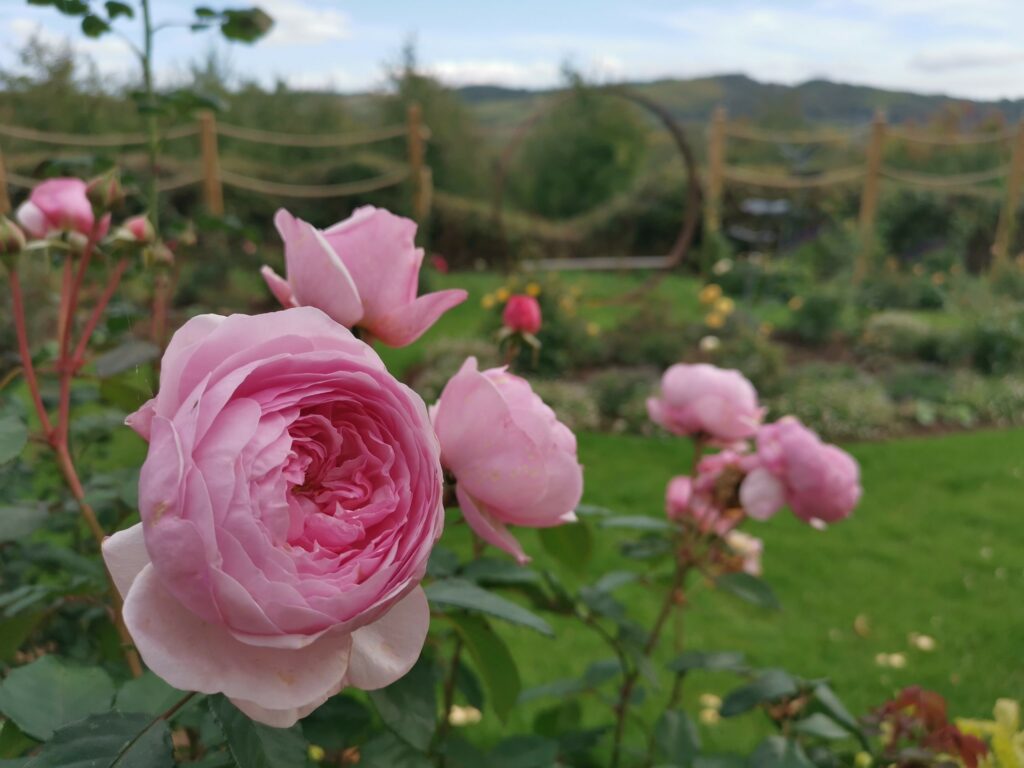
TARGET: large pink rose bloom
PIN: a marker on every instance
(289, 502)
(820, 482)
(363, 271)
(514, 462)
(61, 205)
(718, 404)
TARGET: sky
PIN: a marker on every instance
(967, 48)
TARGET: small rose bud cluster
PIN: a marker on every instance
(760, 468)
(78, 213)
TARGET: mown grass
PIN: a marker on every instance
(935, 548)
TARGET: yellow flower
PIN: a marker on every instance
(710, 293)
(316, 754)
(460, 716)
(533, 289)
(766, 329)
(725, 305)
(892, 264)
(568, 305)
(938, 278)
(710, 701)
(593, 329)
(714, 320)
(863, 760)
(488, 301)
(502, 293)
(796, 303)
(1003, 733)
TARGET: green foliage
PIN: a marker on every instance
(409, 706)
(258, 746)
(458, 593)
(580, 154)
(493, 661)
(50, 693)
(110, 739)
(13, 436)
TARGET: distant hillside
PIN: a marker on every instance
(816, 101)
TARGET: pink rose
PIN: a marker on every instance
(819, 482)
(61, 205)
(678, 495)
(522, 314)
(363, 271)
(514, 462)
(707, 401)
(290, 498)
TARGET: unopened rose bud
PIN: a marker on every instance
(105, 191)
(12, 239)
(137, 229)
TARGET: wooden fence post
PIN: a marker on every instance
(5, 199)
(716, 172)
(213, 192)
(417, 173)
(1008, 214)
(869, 197)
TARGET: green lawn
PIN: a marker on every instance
(936, 548)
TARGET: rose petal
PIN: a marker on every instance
(406, 323)
(761, 494)
(125, 555)
(193, 655)
(279, 287)
(488, 528)
(386, 650)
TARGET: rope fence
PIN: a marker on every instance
(1002, 182)
(213, 177)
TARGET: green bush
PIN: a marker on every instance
(819, 317)
(997, 342)
(840, 403)
(897, 333)
(893, 289)
(572, 401)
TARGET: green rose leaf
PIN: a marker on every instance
(493, 661)
(749, 588)
(771, 685)
(253, 745)
(111, 740)
(572, 545)
(17, 522)
(409, 705)
(50, 693)
(459, 593)
(675, 738)
(13, 436)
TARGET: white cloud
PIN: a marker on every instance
(111, 55)
(496, 72)
(299, 23)
(963, 56)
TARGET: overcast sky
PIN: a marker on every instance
(972, 48)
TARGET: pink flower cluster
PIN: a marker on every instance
(788, 465)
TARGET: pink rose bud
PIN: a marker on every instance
(140, 229)
(820, 482)
(105, 191)
(289, 501)
(440, 263)
(522, 314)
(514, 462)
(703, 400)
(363, 272)
(61, 205)
(678, 495)
(12, 239)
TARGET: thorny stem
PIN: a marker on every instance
(97, 313)
(18, 307)
(58, 438)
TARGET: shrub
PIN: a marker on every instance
(620, 395)
(840, 403)
(898, 334)
(443, 358)
(572, 401)
(819, 317)
(997, 342)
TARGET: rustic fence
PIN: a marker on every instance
(209, 172)
(870, 174)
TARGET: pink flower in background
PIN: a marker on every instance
(61, 205)
(289, 500)
(363, 271)
(678, 496)
(522, 314)
(820, 482)
(514, 462)
(703, 400)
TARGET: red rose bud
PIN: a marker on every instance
(12, 239)
(522, 314)
(440, 263)
(105, 191)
